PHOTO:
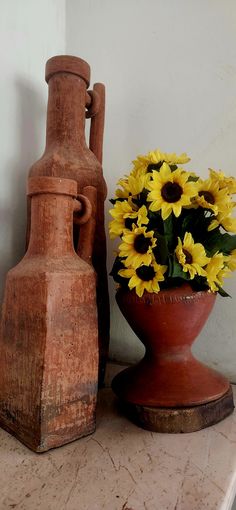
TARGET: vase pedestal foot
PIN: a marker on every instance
(179, 420)
(169, 390)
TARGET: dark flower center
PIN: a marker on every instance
(188, 257)
(129, 222)
(171, 192)
(208, 196)
(142, 243)
(145, 273)
(154, 166)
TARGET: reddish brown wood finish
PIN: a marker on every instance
(67, 155)
(48, 347)
(97, 123)
(168, 376)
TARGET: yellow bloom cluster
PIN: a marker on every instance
(155, 158)
(215, 194)
(171, 225)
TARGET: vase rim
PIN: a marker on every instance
(68, 64)
(171, 295)
(44, 184)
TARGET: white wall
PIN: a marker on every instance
(170, 71)
(30, 33)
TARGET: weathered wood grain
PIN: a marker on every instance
(67, 155)
(49, 335)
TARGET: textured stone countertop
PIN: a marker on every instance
(122, 467)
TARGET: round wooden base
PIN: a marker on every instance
(185, 419)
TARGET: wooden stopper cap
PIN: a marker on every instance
(56, 185)
(67, 64)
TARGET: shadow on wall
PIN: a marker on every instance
(28, 119)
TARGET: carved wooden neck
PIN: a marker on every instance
(66, 111)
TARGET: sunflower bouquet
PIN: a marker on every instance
(174, 227)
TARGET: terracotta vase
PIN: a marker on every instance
(67, 155)
(48, 347)
(169, 377)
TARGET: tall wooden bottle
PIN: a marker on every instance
(67, 155)
(48, 347)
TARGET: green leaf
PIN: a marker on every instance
(170, 266)
(114, 272)
(168, 226)
(223, 293)
(169, 232)
(195, 222)
(161, 250)
(199, 283)
(177, 270)
(193, 178)
(142, 200)
(119, 199)
(217, 241)
(155, 222)
(154, 166)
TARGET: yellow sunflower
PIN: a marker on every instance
(225, 220)
(231, 262)
(144, 277)
(229, 224)
(216, 270)
(170, 191)
(154, 159)
(125, 216)
(132, 185)
(120, 212)
(210, 196)
(137, 247)
(228, 183)
(191, 256)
